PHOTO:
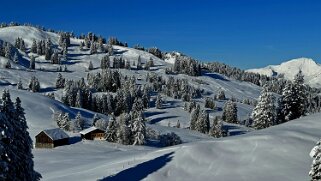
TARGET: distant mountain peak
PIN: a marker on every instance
(310, 69)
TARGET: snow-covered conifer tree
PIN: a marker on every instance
(79, 122)
(194, 117)
(230, 112)
(139, 131)
(139, 63)
(79, 99)
(216, 129)
(264, 113)
(60, 81)
(32, 64)
(34, 84)
(159, 102)
(90, 66)
(33, 48)
(203, 122)
(111, 131)
(315, 172)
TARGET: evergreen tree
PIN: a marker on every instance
(7, 65)
(139, 131)
(95, 118)
(34, 84)
(203, 122)
(16, 58)
(93, 48)
(315, 172)
(105, 62)
(25, 145)
(17, 143)
(5, 139)
(301, 93)
(230, 112)
(79, 99)
(33, 48)
(139, 63)
(79, 122)
(90, 66)
(65, 122)
(55, 59)
(264, 113)
(60, 81)
(209, 103)
(221, 95)
(194, 117)
(159, 102)
(124, 132)
(19, 85)
(178, 124)
(217, 127)
(32, 62)
(111, 131)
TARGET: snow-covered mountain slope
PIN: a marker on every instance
(310, 69)
(91, 160)
(277, 153)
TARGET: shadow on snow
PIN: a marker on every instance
(142, 170)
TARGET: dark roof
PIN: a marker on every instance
(56, 134)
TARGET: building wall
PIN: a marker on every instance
(94, 135)
(44, 141)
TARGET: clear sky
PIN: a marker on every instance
(242, 33)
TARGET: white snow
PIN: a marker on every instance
(277, 153)
(88, 130)
(56, 134)
(310, 69)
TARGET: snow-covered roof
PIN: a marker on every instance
(56, 134)
(88, 130)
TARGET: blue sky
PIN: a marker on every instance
(242, 33)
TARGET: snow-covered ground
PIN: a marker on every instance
(277, 153)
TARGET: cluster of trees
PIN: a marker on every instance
(291, 105)
(118, 63)
(6, 50)
(15, 143)
(155, 51)
(34, 84)
(20, 44)
(169, 139)
(115, 41)
(200, 121)
(173, 87)
(95, 44)
(128, 96)
(236, 73)
(42, 48)
(106, 80)
(230, 112)
(64, 121)
(127, 129)
(187, 65)
(64, 39)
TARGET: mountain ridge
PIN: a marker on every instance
(288, 69)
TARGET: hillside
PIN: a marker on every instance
(310, 69)
(277, 153)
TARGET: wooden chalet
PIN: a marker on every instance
(51, 138)
(93, 133)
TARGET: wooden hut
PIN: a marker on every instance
(51, 138)
(93, 133)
